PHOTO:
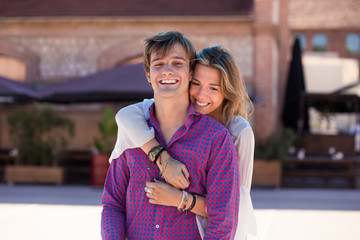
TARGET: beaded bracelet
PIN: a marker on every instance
(184, 200)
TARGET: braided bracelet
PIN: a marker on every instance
(163, 167)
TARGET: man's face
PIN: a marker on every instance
(169, 75)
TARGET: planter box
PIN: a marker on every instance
(99, 168)
(267, 173)
(34, 174)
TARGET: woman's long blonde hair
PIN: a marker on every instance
(236, 99)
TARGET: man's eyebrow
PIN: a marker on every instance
(182, 58)
(155, 59)
(176, 57)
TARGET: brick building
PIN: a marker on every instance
(327, 26)
(43, 42)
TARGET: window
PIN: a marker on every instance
(302, 41)
(12, 68)
(319, 42)
(352, 43)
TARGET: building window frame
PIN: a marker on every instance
(319, 42)
(352, 43)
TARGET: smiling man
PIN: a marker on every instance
(198, 141)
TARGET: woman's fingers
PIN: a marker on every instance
(177, 174)
(185, 171)
(183, 182)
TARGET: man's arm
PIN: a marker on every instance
(223, 183)
(113, 217)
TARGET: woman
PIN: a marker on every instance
(216, 89)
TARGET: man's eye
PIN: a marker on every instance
(178, 64)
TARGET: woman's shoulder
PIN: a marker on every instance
(140, 108)
(237, 125)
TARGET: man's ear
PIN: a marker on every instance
(148, 78)
(191, 75)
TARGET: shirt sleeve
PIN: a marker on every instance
(244, 145)
(113, 216)
(222, 199)
(133, 129)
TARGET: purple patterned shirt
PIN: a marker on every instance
(206, 148)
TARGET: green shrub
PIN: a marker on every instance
(39, 134)
(108, 130)
(276, 146)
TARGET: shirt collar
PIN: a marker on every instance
(191, 117)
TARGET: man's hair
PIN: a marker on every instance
(236, 100)
(162, 42)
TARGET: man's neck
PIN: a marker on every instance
(171, 115)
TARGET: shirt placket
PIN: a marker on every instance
(158, 223)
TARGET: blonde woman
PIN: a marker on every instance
(217, 89)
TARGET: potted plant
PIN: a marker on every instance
(269, 154)
(39, 137)
(104, 146)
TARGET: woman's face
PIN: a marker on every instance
(205, 93)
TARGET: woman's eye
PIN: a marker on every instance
(213, 89)
(195, 83)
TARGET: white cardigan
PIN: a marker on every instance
(133, 132)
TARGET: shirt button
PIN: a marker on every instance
(157, 226)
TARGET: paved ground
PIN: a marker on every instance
(73, 212)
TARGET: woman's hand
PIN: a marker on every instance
(163, 194)
(175, 172)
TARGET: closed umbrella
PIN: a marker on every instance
(295, 87)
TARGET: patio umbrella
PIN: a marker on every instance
(124, 83)
(15, 92)
(294, 88)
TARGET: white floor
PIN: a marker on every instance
(52, 213)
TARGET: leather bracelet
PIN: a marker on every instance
(158, 154)
(193, 203)
(153, 152)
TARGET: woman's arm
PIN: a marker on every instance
(133, 131)
(167, 195)
(244, 145)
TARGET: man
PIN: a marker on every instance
(200, 142)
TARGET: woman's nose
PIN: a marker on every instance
(201, 92)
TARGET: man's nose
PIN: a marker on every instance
(167, 69)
